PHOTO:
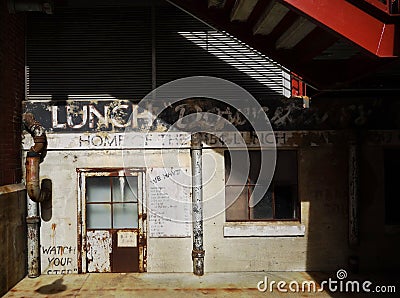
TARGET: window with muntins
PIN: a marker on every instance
(280, 201)
(112, 202)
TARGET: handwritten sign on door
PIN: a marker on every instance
(127, 239)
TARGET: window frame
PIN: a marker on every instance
(111, 203)
(296, 204)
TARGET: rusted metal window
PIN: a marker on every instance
(111, 202)
(280, 202)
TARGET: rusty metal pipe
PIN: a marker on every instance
(32, 177)
(33, 224)
(354, 191)
(34, 157)
(38, 133)
(197, 205)
(36, 193)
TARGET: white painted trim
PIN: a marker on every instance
(113, 141)
(176, 140)
(270, 229)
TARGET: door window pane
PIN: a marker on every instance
(98, 189)
(98, 216)
(125, 216)
(125, 189)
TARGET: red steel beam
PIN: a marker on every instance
(329, 74)
(378, 4)
(352, 23)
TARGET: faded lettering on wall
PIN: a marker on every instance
(60, 259)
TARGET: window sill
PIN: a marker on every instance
(263, 229)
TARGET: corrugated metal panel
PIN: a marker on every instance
(107, 52)
(92, 51)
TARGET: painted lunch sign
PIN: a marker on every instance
(284, 114)
(101, 124)
(117, 115)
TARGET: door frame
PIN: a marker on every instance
(83, 173)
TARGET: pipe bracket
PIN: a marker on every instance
(32, 219)
(198, 254)
(196, 141)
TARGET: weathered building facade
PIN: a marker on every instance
(121, 206)
(318, 219)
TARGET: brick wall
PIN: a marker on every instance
(12, 78)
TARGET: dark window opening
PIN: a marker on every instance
(280, 201)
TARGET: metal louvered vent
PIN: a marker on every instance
(244, 60)
(188, 47)
(124, 52)
(101, 51)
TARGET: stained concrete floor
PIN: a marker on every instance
(243, 284)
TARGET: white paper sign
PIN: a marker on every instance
(169, 202)
(127, 239)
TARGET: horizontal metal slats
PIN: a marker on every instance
(107, 52)
(93, 51)
(188, 47)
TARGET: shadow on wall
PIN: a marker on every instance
(46, 207)
(325, 184)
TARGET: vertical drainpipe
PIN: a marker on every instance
(197, 205)
(354, 191)
(33, 223)
(35, 193)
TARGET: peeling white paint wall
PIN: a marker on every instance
(318, 242)
(59, 236)
(240, 253)
(324, 244)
